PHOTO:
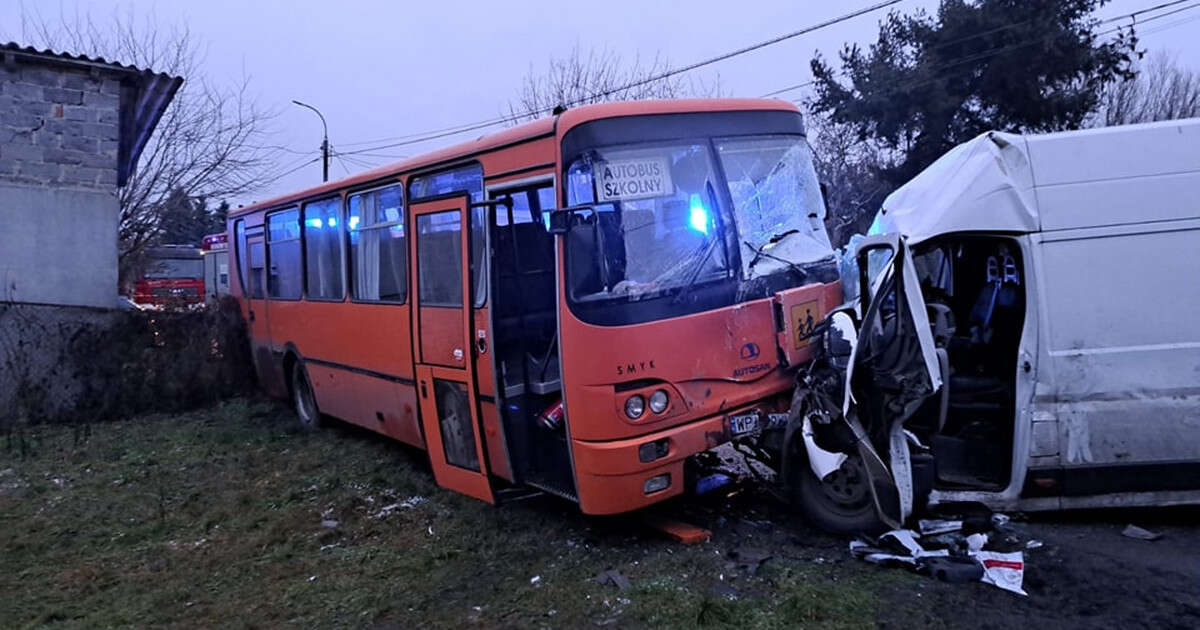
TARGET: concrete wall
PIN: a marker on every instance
(58, 176)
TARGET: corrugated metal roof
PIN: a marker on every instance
(150, 94)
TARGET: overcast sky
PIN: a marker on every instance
(380, 69)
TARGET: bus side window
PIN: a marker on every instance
(283, 255)
(469, 179)
(239, 252)
(378, 246)
(257, 267)
(323, 249)
(522, 211)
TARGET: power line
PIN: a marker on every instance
(458, 129)
(449, 131)
(293, 170)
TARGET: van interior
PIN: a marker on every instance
(974, 291)
(525, 339)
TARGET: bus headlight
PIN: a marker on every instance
(658, 401)
(635, 406)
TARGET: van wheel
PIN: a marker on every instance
(839, 504)
(303, 399)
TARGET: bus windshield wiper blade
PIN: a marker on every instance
(707, 251)
(759, 254)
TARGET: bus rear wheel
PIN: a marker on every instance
(303, 399)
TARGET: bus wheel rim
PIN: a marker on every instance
(303, 399)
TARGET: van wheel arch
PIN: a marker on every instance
(818, 501)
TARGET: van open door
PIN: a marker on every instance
(893, 370)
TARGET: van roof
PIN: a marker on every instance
(1000, 182)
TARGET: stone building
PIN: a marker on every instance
(71, 131)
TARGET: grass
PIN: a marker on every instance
(231, 517)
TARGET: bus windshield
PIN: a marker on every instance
(669, 218)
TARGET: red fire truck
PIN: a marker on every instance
(174, 275)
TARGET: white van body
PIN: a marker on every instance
(1105, 225)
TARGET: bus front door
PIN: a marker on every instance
(441, 329)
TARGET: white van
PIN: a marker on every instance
(1029, 336)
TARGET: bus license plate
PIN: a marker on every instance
(743, 424)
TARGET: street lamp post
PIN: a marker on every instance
(324, 141)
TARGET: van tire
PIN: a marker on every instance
(841, 504)
(303, 400)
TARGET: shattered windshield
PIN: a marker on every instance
(657, 224)
(684, 213)
(777, 202)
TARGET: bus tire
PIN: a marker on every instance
(303, 399)
(840, 504)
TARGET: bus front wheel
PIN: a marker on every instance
(303, 399)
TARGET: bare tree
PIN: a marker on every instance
(849, 168)
(1161, 90)
(600, 76)
(212, 141)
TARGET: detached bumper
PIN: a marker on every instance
(611, 479)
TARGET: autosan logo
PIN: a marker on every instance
(751, 369)
(750, 351)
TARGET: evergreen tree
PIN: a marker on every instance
(931, 82)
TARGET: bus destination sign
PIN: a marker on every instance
(640, 178)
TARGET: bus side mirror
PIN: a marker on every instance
(560, 220)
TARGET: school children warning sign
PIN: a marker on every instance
(641, 178)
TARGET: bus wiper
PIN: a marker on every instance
(694, 275)
(759, 254)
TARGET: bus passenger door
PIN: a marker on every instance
(442, 324)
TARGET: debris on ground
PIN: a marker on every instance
(1004, 570)
(930, 527)
(685, 533)
(749, 558)
(952, 551)
(1133, 531)
(614, 577)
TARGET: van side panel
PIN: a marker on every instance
(1122, 332)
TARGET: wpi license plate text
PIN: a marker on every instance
(743, 424)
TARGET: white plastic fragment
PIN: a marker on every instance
(1004, 570)
(821, 461)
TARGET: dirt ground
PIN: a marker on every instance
(1085, 575)
(231, 517)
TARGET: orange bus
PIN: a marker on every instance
(579, 304)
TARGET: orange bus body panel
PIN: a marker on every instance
(362, 361)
